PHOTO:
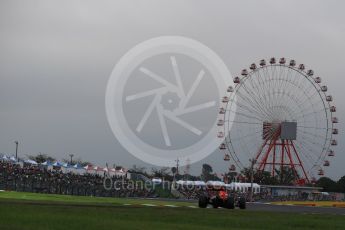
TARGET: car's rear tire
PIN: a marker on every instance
(242, 203)
(230, 203)
(203, 201)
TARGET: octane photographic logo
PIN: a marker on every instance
(162, 100)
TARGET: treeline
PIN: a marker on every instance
(330, 185)
(42, 157)
(170, 174)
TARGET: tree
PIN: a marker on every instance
(266, 178)
(286, 176)
(207, 173)
(162, 173)
(260, 177)
(76, 161)
(206, 168)
(137, 169)
(230, 177)
(40, 158)
(327, 184)
(341, 185)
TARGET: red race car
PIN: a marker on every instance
(218, 196)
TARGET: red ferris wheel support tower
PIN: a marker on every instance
(278, 149)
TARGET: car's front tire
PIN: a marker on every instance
(242, 203)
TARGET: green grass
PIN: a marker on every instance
(37, 211)
(163, 192)
(25, 196)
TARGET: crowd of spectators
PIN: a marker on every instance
(31, 178)
(302, 196)
(265, 195)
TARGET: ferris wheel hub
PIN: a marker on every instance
(285, 130)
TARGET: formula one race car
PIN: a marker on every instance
(217, 195)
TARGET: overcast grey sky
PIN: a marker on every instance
(56, 58)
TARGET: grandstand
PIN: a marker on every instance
(56, 179)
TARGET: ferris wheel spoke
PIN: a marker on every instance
(310, 113)
(245, 115)
(311, 143)
(311, 127)
(312, 137)
(296, 78)
(254, 97)
(252, 104)
(307, 98)
(247, 135)
(290, 103)
(245, 108)
(283, 80)
(260, 80)
(311, 89)
(276, 105)
(258, 104)
(298, 88)
(316, 139)
(277, 74)
(277, 99)
(263, 90)
(279, 78)
(312, 134)
(243, 122)
(288, 80)
(269, 85)
(312, 159)
(254, 87)
(306, 152)
(292, 96)
(306, 93)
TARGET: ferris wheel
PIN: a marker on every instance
(280, 115)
